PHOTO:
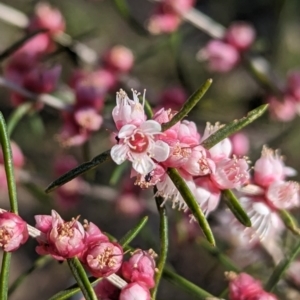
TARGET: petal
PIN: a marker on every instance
(161, 151)
(118, 153)
(150, 127)
(126, 131)
(143, 164)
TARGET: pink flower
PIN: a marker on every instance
(106, 290)
(180, 6)
(270, 167)
(245, 287)
(163, 23)
(151, 179)
(173, 97)
(119, 59)
(221, 150)
(104, 258)
(128, 111)
(47, 17)
(240, 144)
(130, 204)
(284, 110)
(240, 35)
(88, 118)
(135, 291)
(93, 234)
(283, 195)
(140, 268)
(64, 239)
(231, 173)
(13, 231)
(137, 144)
(188, 133)
(221, 56)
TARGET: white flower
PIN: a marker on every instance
(137, 144)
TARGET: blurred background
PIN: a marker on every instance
(161, 62)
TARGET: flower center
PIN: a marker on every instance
(5, 236)
(106, 258)
(138, 142)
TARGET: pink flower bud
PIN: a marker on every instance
(134, 291)
(284, 110)
(221, 56)
(163, 23)
(240, 35)
(13, 231)
(231, 173)
(64, 239)
(180, 6)
(173, 97)
(47, 17)
(243, 286)
(104, 259)
(94, 234)
(106, 290)
(140, 268)
(268, 168)
(88, 118)
(119, 59)
(283, 195)
(41, 80)
(240, 144)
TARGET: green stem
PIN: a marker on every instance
(189, 105)
(8, 163)
(82, 279)
(280, 269)
(164, 244)
(4, 275)
(185, 284)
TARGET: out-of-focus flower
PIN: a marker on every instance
(13, 231)
(106, 290)
(119, 59)
(47, 17)
(240, 144)
(173, 97)
(140, 268)
(103, 258)
(284, 110)
(243, 286)
(241, 35)
(64, 239)
(134, 291)
(221, 57)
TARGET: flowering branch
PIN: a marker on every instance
(164, 242)
(191, 203)
(188, 105)
(233, 127)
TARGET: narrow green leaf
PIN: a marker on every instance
(164, 243)
(40, 262)
(148, 110)
(191, 203)
(234, 205)
(280, 269)
(72, 290)
(8, 163)
(289, 221)
(131, 234)
(233, 127)
(93, 163)
(185, 284)
(189, 105)
(81, 278)
(4, 275)
(17, 115)
(223, 259)
(118, 172)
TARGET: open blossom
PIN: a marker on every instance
(140, 268)
(135, 291)
(64, 239)
(231, 173)
(13, 231)
(137, 144)
(128, 111)
(103, 258)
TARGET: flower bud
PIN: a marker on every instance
(133, 291)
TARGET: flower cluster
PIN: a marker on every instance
(223, 55)
(152, 151)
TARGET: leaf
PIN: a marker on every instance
(191, 203)
(233, 127)
(189, 105)
(81, 278)
(93, 163)
(164, 243)
(131, 234)
(234, 205)
(289, 221)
